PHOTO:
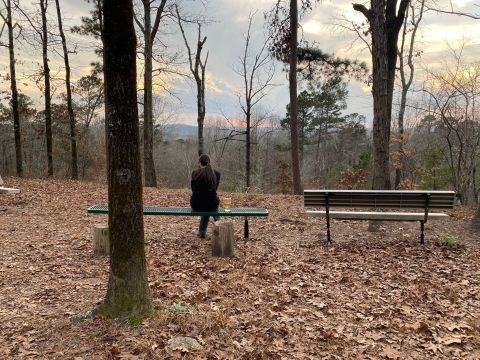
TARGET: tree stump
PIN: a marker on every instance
(223, 241)
(101, 240)
(1, 181)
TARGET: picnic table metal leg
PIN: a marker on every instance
(422, 229)
(245, 229)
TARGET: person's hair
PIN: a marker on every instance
(206, 172)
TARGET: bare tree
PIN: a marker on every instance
(128, 295)
(453, 93)
(385, 24)
(283, 27)
(40, 28)
(8, 21)
(46, 78)
(149, 31)
(71, 114)
(413, 17)
(257, 72)
(292, 81)
(197, 68)
(89, 90)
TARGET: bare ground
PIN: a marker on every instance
(284, 295)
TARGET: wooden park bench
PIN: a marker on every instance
(379, 200)
(186, 211)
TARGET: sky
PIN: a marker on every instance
(225, 43)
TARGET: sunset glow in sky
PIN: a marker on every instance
(225, 42)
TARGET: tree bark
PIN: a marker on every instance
(385, 25)
(292, 79)
(13, 84)
(200, 80)
(128, 295)
(380, 90)
(199, 73)
(248, 145)
(47, 95)
(71, 114)
(148, 163)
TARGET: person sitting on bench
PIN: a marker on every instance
(204, 197)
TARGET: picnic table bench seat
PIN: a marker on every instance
(187, 211)
(5, 190)
(379, 199)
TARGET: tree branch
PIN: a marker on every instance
(451, 12)
(366, 12)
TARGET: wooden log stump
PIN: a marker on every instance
(223, 240)
(101, 240)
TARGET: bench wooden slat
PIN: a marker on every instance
(377, 199)
(379, 196)
(184, 211)
(402, 201)
(371, 215)
(433, 192)
(380, 205)
(386, 197)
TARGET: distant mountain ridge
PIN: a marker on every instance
(184, 131)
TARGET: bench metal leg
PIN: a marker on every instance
(327, 209)
(422, 229)
(329, 238)
(245, 229)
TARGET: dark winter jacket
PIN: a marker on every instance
(203, 198)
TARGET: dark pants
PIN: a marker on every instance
(202, 228)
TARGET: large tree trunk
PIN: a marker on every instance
(381, 97)
(128, 295)
(48, 98)
(385, 25)
(392, 54)
(148, 163)
(13, 84)
(292, 80)
(71, 114)
(248, 146)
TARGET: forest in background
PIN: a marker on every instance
(434, 142)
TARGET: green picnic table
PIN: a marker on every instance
(187, 211)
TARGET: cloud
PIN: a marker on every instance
(225, 42)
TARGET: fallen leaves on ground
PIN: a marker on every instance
(284, 295)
